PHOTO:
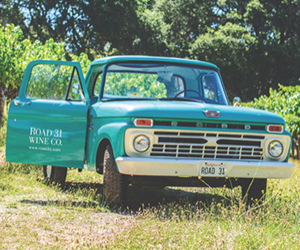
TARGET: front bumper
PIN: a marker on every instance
(144, 166)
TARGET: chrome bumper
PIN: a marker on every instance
(147, 166)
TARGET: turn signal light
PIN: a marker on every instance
(143, 122)
(275, 128)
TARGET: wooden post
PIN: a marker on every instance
(293, 148)
(298, 148)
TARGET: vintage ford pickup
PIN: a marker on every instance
(146, 121)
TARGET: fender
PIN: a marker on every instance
(114, 132)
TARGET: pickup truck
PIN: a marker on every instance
(144, 120)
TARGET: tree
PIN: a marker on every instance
(176, 24)
(16, 53)
(271, 56)
(12, 48)
(93, 27)
(255, 43)
(230, 48)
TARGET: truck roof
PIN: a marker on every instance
(158, 59)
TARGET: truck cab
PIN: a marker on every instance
(146, 121)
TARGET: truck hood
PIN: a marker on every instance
(184, 110)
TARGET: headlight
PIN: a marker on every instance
(275, 149)
(141, 143)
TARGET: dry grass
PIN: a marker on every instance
(36, 216)
(49, 227)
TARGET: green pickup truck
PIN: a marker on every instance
(144, 120)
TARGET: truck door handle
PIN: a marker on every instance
(17, 103)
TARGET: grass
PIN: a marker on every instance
(34, 215)
(37, 216)
(216, 224)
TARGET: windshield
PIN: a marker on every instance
(127, 81)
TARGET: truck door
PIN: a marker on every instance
(47, 122)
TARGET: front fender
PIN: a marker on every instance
(114, 132)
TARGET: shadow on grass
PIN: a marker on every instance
(137, 197)
(147, 197)
(83, 186)
(72, 188)
(62, 203)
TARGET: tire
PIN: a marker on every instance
(114, 184)
(56, 175)
(254, 193)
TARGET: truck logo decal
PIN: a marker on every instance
(211, 113)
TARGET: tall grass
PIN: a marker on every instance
(217, 224)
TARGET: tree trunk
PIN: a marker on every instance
(298, 149)
(2, 104)
(293, 147)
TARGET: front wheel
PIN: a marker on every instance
(253, 191)
(114, 184)
(56, 175)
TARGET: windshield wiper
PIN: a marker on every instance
(129, 99)
(181, 99)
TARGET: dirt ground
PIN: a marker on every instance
(38, 227)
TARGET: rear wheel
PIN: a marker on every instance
(253, 192)
(114, 184)
(55, 174)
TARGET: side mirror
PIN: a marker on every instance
(75, 88)
(237, 102)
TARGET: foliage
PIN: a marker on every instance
(11, 53)
(135, 85)
(86, 26)
(175, 24)
(228, 47)
(49, 81)
(84, 61)
(17, 52)
(285, 102)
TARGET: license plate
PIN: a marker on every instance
(213, 169)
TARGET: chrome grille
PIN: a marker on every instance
(208, 145)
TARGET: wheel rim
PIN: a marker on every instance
(48, 171)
